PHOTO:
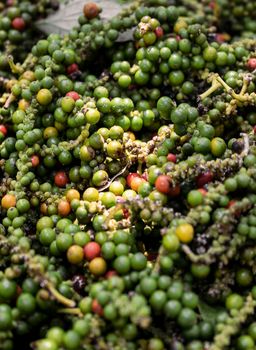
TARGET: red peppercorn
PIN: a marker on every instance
(126, 213)
(130, 177)
(73, 94)
(163, 184)
(96, 308)
(61, 179)
(110, 274)
(204, 179)
(159, 32)
(72, 68)
(221, 38)
(92, 250)
(3, 129)
(231, 203)
(35, 161)
(174, 191)
(251, 64)
(172, 158)
(203, 191)
(91, 10)
(18, 23)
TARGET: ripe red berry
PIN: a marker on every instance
(163, 184)
(18, 23)
(251, 64)
(174, 191)
(73, 94)
(130, 177)
(91, 10)
(126, 213)
(203, 191)
(159, 32)
(3, 129)
(221, 38)
(172, 158)
(61, 179)
(204, 179)
(254, 129)
(92, 250)
(35, 161)
(231, 203)
(72, 68)
(96, 308)
(238, 211)
(110, 274)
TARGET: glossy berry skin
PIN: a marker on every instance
(172, 158)
(73, 94)
(19, 24)
(61, 179)
(35, 161)
(110, 274)
(136, 182)
(3, 129)
(163, 184)
(92, 250)
(97, 308)
(130, 177)
(204, 179)
(73, 68)
(8, 201)
(91, 10)
(159, 32)
(98, 266)
(251, 64)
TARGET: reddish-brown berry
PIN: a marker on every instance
(91, 10)
(92, 250)
(61, 179)
(18, 23)
(163, 184)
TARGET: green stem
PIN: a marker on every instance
(15, 68)
(211, 90)
(72, 311)
(63, 300)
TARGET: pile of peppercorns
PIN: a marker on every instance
(128, 179)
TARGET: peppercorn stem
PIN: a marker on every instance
(212, 89)
(236, 96)
(9, 100)
(63, 300)
(157, 262)
(71, 311)
(244, 87)
(15, 68)
(246, 144)
(113, 178)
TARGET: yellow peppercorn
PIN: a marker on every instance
(185, 233)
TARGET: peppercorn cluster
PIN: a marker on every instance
(128, 178)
